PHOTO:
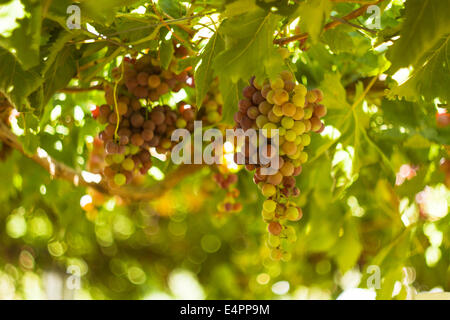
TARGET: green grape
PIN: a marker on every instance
(286, 256)
(134, 149)
(128, 164)
(273, 117)
(299, 127)
(120, 179)
(268, 190)
(308, 112)
(301, 89)
(277, 110)
(181, 123)
(287, 122)
(274, 241)
(303, 157)
(118, 158)
(213, 117)
(290, 135)
(276, 254)
(269, 127)
(261, 120)
(269, 205)
(109, 160)
(306, 140)
(298, 100)
(292, 213)
(277, 83)
(267, 215)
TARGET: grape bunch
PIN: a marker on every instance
(129, 137)
(146, 79)
(135, 121)
(294, 111)
(226, 181)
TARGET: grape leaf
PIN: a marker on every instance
(426, 23)
(348, 248)
(313, 14)
(230, 92)
(204, 73)
(250, 50)
(16, 83)
(430, 80)
(334, 94)
(25, 40)
(60, 72)
(239, 7)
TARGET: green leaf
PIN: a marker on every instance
(204, 73)
(426, 23)
(16, 83)
(339, 40)
(250, 50)
(25, 40)
(313, 14)
(172, 7)
(60, 72)
(348, 248)
(239, 7)
(334, 94)
(430, 80)
(166, 53)
(230, 92)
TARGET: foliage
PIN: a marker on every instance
(374, 192)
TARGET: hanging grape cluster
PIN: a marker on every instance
(281, 104)
(227, 181)
(135, 122)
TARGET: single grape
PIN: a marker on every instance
(287, 122)
(298, 100)
(277, 83)
(280, 96)
(248, 92)
(288, 109)
(120, 179)
(269, 205)
(275, 228)
(253, 112)
(320, 111)
(311, 96)
(264, 107)
(299, 114)
(118, 158)
(268, 190)
(261, 120)
(137, 120)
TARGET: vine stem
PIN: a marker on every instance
(115, 101)
(331, 25)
